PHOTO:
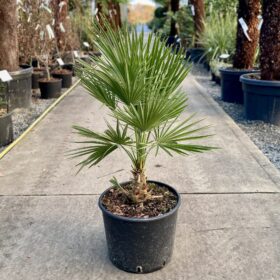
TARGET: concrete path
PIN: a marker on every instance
(51, 227)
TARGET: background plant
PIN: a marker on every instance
(139, 82)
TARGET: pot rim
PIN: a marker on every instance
(251, 81)
(22, 71)
(141, 220)
(233, 71)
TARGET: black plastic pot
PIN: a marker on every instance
(231, 88)
(65, 77)
(6, 129)
(19, 89)
(50, 89)
(140, 245)
(196, 55)
(261, 99)
(36, 76)
(70, 67)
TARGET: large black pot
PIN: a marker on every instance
(6, 129)
(261, 99)
(65, 77)
(231, 88)
(140, 245)
(196, 55)
(70, 67)
(19, 89)
(50, 89)
(36, 76)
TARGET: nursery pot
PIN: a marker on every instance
(50, 88)
(6, 129)
(140, 245)
(70, 67)
(36, 76)
(196, 55)
(261, 99)
(231, 88)
(65, 76)
(19, 89)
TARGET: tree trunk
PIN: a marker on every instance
(245, 48)
(8, 35)
(60, 15)
(270, 41)
(199, 16)
(174, 4)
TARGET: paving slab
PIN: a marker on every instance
(39, 164)
(218, 237)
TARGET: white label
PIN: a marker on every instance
(37, 27)
(76, 54)
(53, 22)
(86, 44)
(29, 18)
(260, 24)
(184, 3)
(61, 4)
(224, 56)
(111, 13)
(245, 28)
(42, 34)
(47, 9)
(96, 11)
(60, 61)
(193, 10)
(50, 31)
(62, 29)
(5, 76)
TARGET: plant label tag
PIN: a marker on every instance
(29, 18)
(260, 24)
(193, 10)
(5, 76)
(62, 29)
(50, 31)
(245, 28)
(47, 9)
(76, 54)
(86, 44)
(224, 56)
(60, 61)
(37, 27)
(53, 22)
(95, 11)
(61, 4)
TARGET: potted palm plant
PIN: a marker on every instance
(139, 83)
(6, 124)
(262, 90)
(245, 52)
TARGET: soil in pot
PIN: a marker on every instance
(50, 88)
(231, 87)
(69, 67)
(140, 237)
(6, 127)
(65, 75)
(261, 98)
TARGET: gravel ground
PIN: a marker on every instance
(23, 118)
(265, 136)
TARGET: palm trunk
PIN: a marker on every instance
(8, 35)
(245, 49)
(174, 4)
(199, 16)
(270, 41)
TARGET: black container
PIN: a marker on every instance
(19, 89)
(140, 245)
(261, 99)
(6, 129)
(50, 89)
(36, 76)
(69, 67)
(231, 87)
(65, 77)
(196, 55)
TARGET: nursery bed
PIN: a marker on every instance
(265, 136)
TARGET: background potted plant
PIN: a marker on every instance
(141, 90)
(245, 51)
(6, 124)
(19, 89)
(262, 90)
